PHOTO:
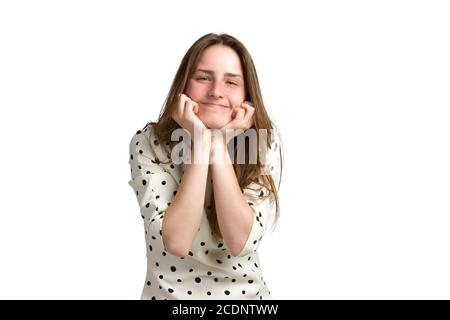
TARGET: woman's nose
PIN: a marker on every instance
(215, 91)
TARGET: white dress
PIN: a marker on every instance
(209, 271)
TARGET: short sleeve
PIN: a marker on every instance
(264, 210)
(152, 184)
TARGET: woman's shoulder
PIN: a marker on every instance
(144, 132)
(145, 142)
(275, 137)
(140, 138)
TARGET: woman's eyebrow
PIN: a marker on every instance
(229, 74)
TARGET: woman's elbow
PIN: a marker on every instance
(236, 250)
(175, 248)
(178, 251)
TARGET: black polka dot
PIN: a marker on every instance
(218, 261)
(170, 290)
(227, 292)
(131, 156)
(216, 280)
(189, 292)
(198, 280)
(140, 151)
(243, 291)
(202, 244)
(157, 197)
(208, 293)
(157, 264)
(190, 270)
(147, 205)
(149, 283)
(220, 245)
(178, 280)
(173, 269)
(254, 242)
(250, 281)
(138, 132)
(144, 182)
(163, 182)
(209, 273)
(156, 142)
(190, 253)
(161, 276)
(150, 247)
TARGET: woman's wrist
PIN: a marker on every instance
(201, 149)
(219, 151)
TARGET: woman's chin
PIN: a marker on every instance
(213, 122)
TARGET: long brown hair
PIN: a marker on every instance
(245, 173)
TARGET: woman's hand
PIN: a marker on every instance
(242, 118)
(185, 115)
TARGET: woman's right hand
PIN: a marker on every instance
(185, 115)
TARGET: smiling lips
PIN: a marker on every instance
(215, 106)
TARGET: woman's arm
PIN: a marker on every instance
(234, 215)
(183, 216)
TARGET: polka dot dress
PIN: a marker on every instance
(209, 271)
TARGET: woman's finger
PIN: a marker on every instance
(189, 109)
(239, 115)
(249, 112)
(181, 104)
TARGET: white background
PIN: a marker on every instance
(359, 90)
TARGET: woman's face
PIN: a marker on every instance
(217, 85)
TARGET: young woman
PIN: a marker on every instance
(204, 219)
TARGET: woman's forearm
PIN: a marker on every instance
(183, 216)
(234, 215)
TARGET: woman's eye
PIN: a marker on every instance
(206, 78)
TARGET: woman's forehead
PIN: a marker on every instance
(220, 60)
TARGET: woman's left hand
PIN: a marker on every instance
(242, 118)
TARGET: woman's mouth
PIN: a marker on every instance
(215, 106)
